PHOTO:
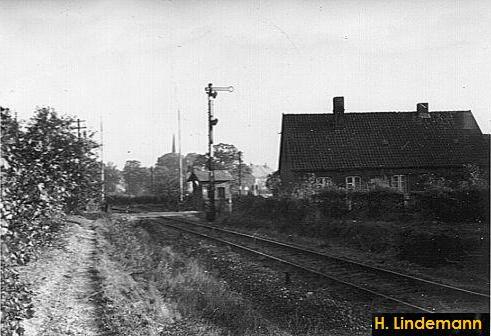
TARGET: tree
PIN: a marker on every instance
(136, 177)
(166, 171)
(169, 162)
(227, 157)
(166, 176)
(273, 183)
(45, 169)
(51, 165)
(112, 177)
(195, 160)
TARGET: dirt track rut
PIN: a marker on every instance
(64, 282)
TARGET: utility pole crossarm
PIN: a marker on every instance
(78, 127)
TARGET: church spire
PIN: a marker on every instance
(173, 144)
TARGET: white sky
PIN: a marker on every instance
(134, 63)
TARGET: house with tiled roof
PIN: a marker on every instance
(360, 150)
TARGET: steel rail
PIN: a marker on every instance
(313, 271)
(348, 261)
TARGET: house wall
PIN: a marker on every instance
(339, 177)
(288, 177)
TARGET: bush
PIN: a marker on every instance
(464, 202)
(384, 203)
(45, 170)
(282, 211)
(333, 202)
(149, 202)
(130, 199)
(430, 248)
(446, 204)
(373, 204)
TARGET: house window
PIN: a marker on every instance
(353, 182)
(323, 182)
(221, 192)
(399, 182)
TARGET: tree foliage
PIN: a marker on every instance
(112, 177)
(166, 176)
(195, 160)
(226, 157)
(461, 197)
(137, 178)
(273, 183)
(46, 170)
(162, 180)
(166, 170)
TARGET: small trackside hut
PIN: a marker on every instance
(198, 184)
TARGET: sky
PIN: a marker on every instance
(134, 64)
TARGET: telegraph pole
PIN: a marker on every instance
(240, 173)
(181, 189)
(103, 187)
(212, 93)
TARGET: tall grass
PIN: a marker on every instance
(173, 281)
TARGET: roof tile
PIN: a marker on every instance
(383, 139)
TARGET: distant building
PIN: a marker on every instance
(198, 184)
(255, 184)
(360, 150)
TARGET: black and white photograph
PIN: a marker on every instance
(245, 167)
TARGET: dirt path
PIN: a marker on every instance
(64, 281)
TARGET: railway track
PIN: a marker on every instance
(406, 290)
(400, 289)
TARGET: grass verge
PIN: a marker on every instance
(148, 289)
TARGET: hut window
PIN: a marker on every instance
(221, 192)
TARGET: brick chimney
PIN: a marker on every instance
(338, 110)
(422, 110)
